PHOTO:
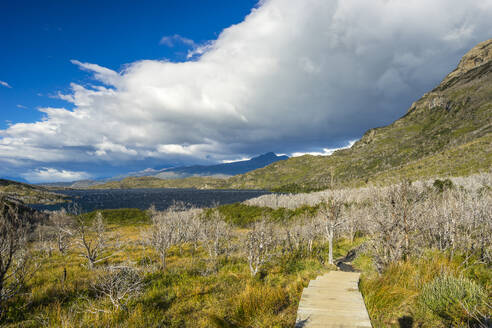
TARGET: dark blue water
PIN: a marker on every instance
(90, 200)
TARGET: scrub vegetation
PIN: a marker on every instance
(424, 249)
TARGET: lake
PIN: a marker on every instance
(90, 200)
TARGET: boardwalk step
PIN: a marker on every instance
(333, 300)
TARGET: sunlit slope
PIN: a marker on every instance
(28, 193)
(153, 182)
(446, 132)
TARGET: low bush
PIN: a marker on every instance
(457, 300)
(242, 215)
(120, 217)
(442, 185)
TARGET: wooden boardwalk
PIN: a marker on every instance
(333, 300)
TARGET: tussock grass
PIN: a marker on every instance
(259, 305)
(447, 233)
(187, 294)
(404, 289)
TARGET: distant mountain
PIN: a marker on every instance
(219, 170)
(448, 132)
(79, 184)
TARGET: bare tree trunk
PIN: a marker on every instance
(330, 249)
(163, 261)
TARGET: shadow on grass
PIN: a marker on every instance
(405, 322)
(301, 323)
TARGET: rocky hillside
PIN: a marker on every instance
(448, 132)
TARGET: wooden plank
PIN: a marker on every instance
(333, 300)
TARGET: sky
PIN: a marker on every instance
(92, 89)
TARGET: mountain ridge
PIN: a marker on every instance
(216, 171)
(455, 112)
(221, 170)
(446, 132)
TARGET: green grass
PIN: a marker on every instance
(242, 215)
(193, 292)
(120, 217)
(396, 294)
(187, 294)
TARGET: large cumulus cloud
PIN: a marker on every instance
(294, 76)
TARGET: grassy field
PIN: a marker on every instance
(189, 293)
(393, 298)
(446, 261)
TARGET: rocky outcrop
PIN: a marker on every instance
(479, 55)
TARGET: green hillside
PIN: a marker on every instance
(29, 194)
(447, 132)
(152, 182)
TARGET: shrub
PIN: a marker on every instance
(118, 284)
(442, 185)
(457, 300)
(120, 217)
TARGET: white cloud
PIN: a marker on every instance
(171, 41)
(5, 84)
(21, 106)
(102, 74)
(199, 50)
(241, 159)
(53, 175)
(294, 75)
(325, 152)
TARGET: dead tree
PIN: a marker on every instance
(295, 238)
(62, 229)
(44, 238)
(456, 220)
(302, 235)
(163, 233)
(195, 226)
(330, 211)
(55, 234)
(395, 224)
(119, 284)
(313, 230)
(400, 206)
(92, 240)
(215, 235)
(260, 243)
(15, 268)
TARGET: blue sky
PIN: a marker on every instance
(39, 38)
(93, 89)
